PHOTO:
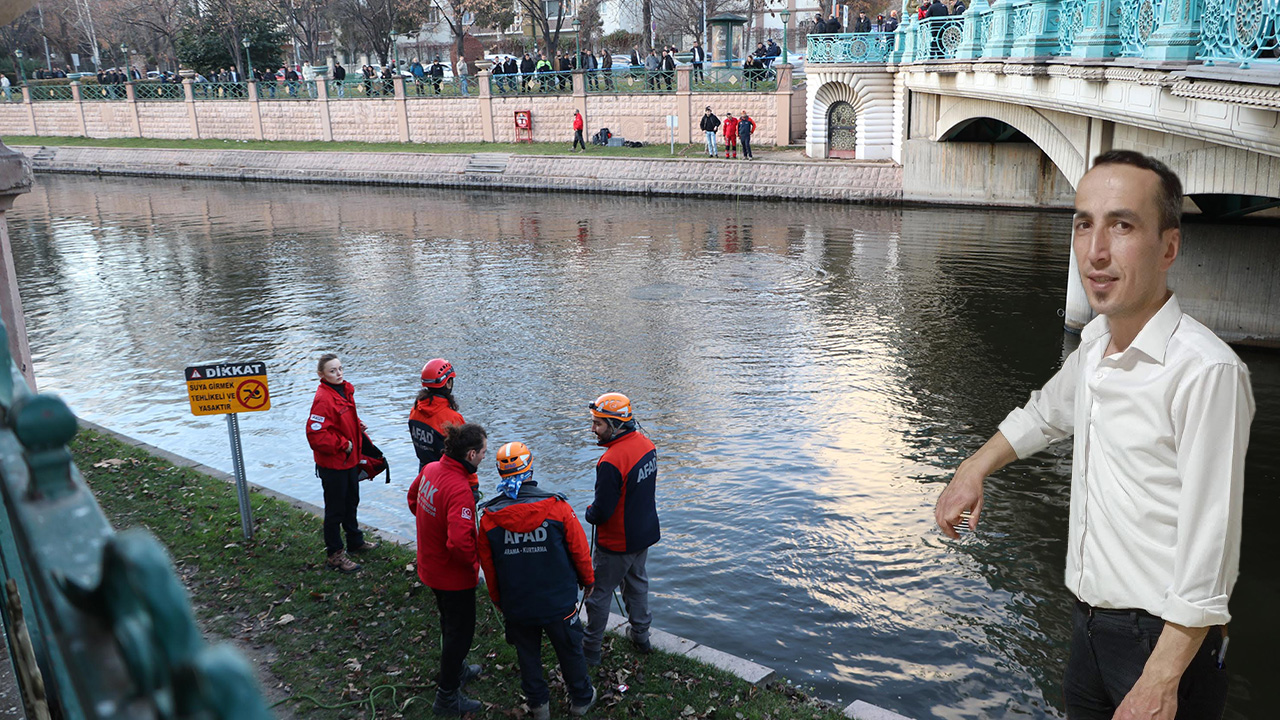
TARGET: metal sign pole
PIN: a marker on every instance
(242, 485)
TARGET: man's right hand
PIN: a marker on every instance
(962, 494)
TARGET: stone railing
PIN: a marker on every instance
(1246, 32)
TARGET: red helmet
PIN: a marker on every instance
(436, 373)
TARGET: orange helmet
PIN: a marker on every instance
(436, 373)
(514, 458)
(612, 406)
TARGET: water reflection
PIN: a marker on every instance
(810, 373)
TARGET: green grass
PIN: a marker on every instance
(648, 151)
(352, 634)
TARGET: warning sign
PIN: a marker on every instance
(229, 388)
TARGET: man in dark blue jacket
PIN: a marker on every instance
(626, 514)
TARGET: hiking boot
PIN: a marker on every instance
(540, 712)
(643, 646)
(340, 562)
(576, 710)
(469, 673)
(364, 546)
(454, 704)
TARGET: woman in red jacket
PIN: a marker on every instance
(434, 412)
(334, 432)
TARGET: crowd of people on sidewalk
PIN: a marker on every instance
(863, 23)
(534, 551)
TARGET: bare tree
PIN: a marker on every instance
(547, 17)
(306, 20)
(371, 22)
(462, 15)
(684, 17)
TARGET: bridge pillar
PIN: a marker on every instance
(1100, 35)
(971, 37)
(999, 40)
(1041, 36)
(1177, 38)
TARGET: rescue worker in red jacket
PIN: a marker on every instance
(334, 432)
(730, 135)
(445, 511)
(626, 514)
(433, 412)
(577, 131)
(535, 557)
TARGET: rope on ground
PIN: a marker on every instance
(371, 700)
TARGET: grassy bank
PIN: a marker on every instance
(697, 150)
(366, 645)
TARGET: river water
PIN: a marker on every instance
(809, 373)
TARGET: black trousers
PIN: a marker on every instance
(457, 629)
(341, 498)
(577, 140)
(1109, 649)
(566, 640)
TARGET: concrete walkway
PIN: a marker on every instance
(847, 181)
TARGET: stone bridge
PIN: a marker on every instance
(1008, 103)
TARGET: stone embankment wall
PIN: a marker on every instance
(848, 181)
(406, 117)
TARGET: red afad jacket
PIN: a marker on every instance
(332, 424)
(731, 127)
(535, 553)
(441, 500)
(429, 422)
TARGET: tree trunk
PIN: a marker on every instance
(646, 11)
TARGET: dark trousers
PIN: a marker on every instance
(577, 140)
(341, 498)
(566, 640)
(746, 145)
(457, 628)
(1109, 649)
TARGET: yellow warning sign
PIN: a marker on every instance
(228, 388)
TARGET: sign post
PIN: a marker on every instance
(673, 122)
(228, 389)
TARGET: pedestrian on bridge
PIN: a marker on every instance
(335, 434)
(1160, 409)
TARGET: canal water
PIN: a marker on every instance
(811, 374)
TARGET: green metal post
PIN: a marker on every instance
(395, 54)
(22, 71)
(786, 20)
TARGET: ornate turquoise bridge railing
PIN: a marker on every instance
(850, 48)
(98, 624)
(1213, 31)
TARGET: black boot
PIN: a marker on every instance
(454, 704)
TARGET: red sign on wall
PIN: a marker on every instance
(524, 126)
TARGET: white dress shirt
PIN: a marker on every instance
(1157, 479)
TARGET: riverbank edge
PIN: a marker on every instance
(747, 670)
(862, 182)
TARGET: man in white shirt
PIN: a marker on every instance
(1159, 409)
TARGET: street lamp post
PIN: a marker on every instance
(395, 52)
(21, 71)
(786, 18)
(577, 41)
(124, 49)
(244, 43)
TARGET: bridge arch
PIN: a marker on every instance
(1066, 153)
(870, 93)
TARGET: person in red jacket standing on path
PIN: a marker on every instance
(334, 432)
(445, 511)
(535, 557)
(626, 514)
(577, 131)
(730, 135)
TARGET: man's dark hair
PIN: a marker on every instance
(1169, 199)
(462, 439)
